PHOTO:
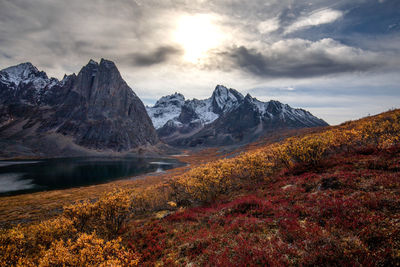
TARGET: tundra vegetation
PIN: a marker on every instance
(324, 198)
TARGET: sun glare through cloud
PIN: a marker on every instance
(197, 34)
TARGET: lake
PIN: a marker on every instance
(25, 176)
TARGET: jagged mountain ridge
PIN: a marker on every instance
(227, 117)
(174, 109)
(96, 109)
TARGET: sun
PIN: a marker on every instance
(197, 34)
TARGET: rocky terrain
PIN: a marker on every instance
(226, 118)
(94, 111)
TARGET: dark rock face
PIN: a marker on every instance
(226, 118)
(188, 114)
(250, 120)
(96, 108)
(224, 99)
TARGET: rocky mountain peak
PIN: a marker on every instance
(224, 99)
(24, 72)
(175, 99)
(248, 97)
(21, 70)
(227, 117)
(165, 109)
(108, 64)
(220, 89)
(90, 67)
(92, 62)
(275, 107)
(104, 64)
(95, 79)
(96, 107)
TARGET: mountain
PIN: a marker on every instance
(94, 110)
(227, 117)
(172, 115)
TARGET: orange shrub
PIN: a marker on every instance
(154, 197)
(24, 244)
(107, 214)
(309, 149)
(88, 250)
(80, 213)
(383, 131)
(206, 182)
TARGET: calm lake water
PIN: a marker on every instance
(47, 174)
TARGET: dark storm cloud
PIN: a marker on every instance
(160, 55)
(69, 32)
(66, 34)
(298, 58)
(316, 63)
(74, 31)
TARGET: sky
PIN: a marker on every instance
(338, 59)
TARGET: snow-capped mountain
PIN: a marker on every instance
(166, 108)
(227, 117)
(224, 100)
(94, 110)
(26, 82)
(25, 73)
(175, 110)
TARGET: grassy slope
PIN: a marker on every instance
(263, 209)
(344, 213)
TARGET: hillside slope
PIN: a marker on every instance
(328, 198)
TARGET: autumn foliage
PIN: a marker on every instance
(325, 198)
(88, 249)
(107, 215)
(206, 182)
(57, 242)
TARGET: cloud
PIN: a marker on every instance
(259, 49)
(298, 58)
(268, 26)
(160, 55)
(66, 35)
(320, 17)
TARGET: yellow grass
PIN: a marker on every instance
(27, 208)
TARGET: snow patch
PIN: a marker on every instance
(27, 74)
(20, 73)
(203, 109)
(167, 110)
(226, 99)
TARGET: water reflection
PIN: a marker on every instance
(13, 182)
(28, 176)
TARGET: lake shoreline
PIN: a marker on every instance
(30, 176)
(33, 207)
